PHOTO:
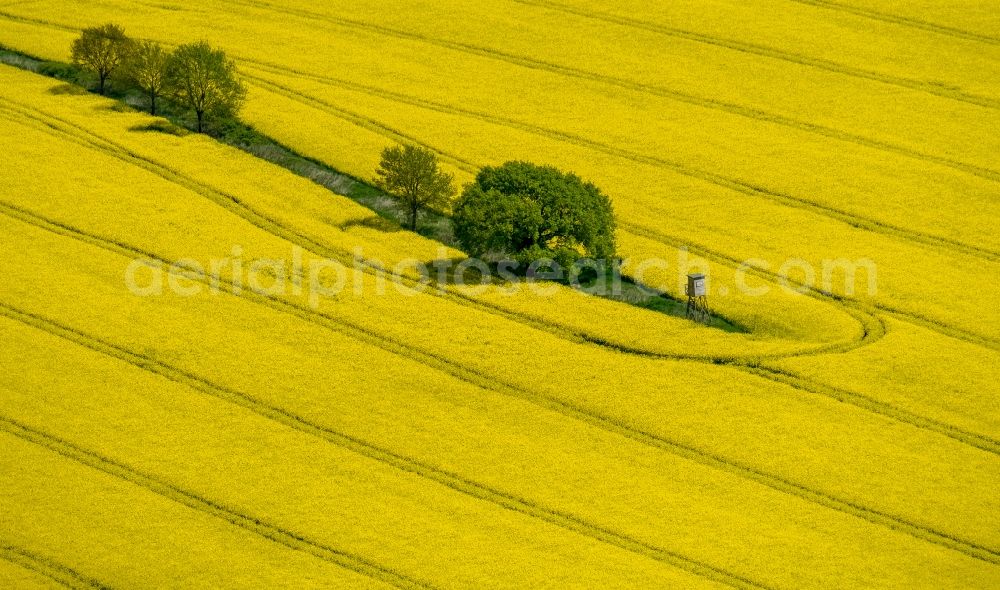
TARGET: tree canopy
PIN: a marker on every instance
(102, 50)
(534, 212)
(204, 80)
(411, 174)
(146, 67)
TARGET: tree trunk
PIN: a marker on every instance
(201, 114)
(152, 103)
(101, 77)
(413, 215)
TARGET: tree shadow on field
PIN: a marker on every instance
(376, 222)
(468, 272)
(117, 107)
(71, 89)
(160, 126)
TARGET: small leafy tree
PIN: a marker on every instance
(101, 50)
(205, 80)
(534, 212)
(411, 174)
(146, 67)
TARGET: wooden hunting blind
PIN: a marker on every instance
(696, 285)
(697, 306)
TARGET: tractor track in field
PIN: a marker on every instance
(729, 261)
(234, 205)
(816, 207)
(258, 526)
(632, 85)
(663, 92)
(875, 406)
(873, 330)
(308, 243)
(738, 185)
(906, 316)
(357, 119)
(534, 63)
(570, 410)
(49, 568)
(452, 481)
(366, 123)
(771, 52)
(241, 209)
(901, 20)
(37, 21)
(923, 533)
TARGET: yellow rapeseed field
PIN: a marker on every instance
(465, 437)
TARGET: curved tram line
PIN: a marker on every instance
(233, 204)
(654, 235)
(582, 414)
(448, 479)
(873, 330)
(716, 179)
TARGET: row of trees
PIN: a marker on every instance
(519, 210)
(195, 76)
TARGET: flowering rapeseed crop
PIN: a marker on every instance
(463, 437)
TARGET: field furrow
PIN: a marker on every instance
(617, 426)
(56, 572)
(56, 498)
(289, 539)
(734, 261)
(904, 20)
(82, 408)
(225, 362)
(741, 186)
(322, 245)
(406, 464)
(815, 195)
(707, 102)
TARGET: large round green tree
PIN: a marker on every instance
(533, 212)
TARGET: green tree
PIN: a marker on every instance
(146, 67)
(411, 174)
(532, 212)
(205, 80)
(101, 50)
